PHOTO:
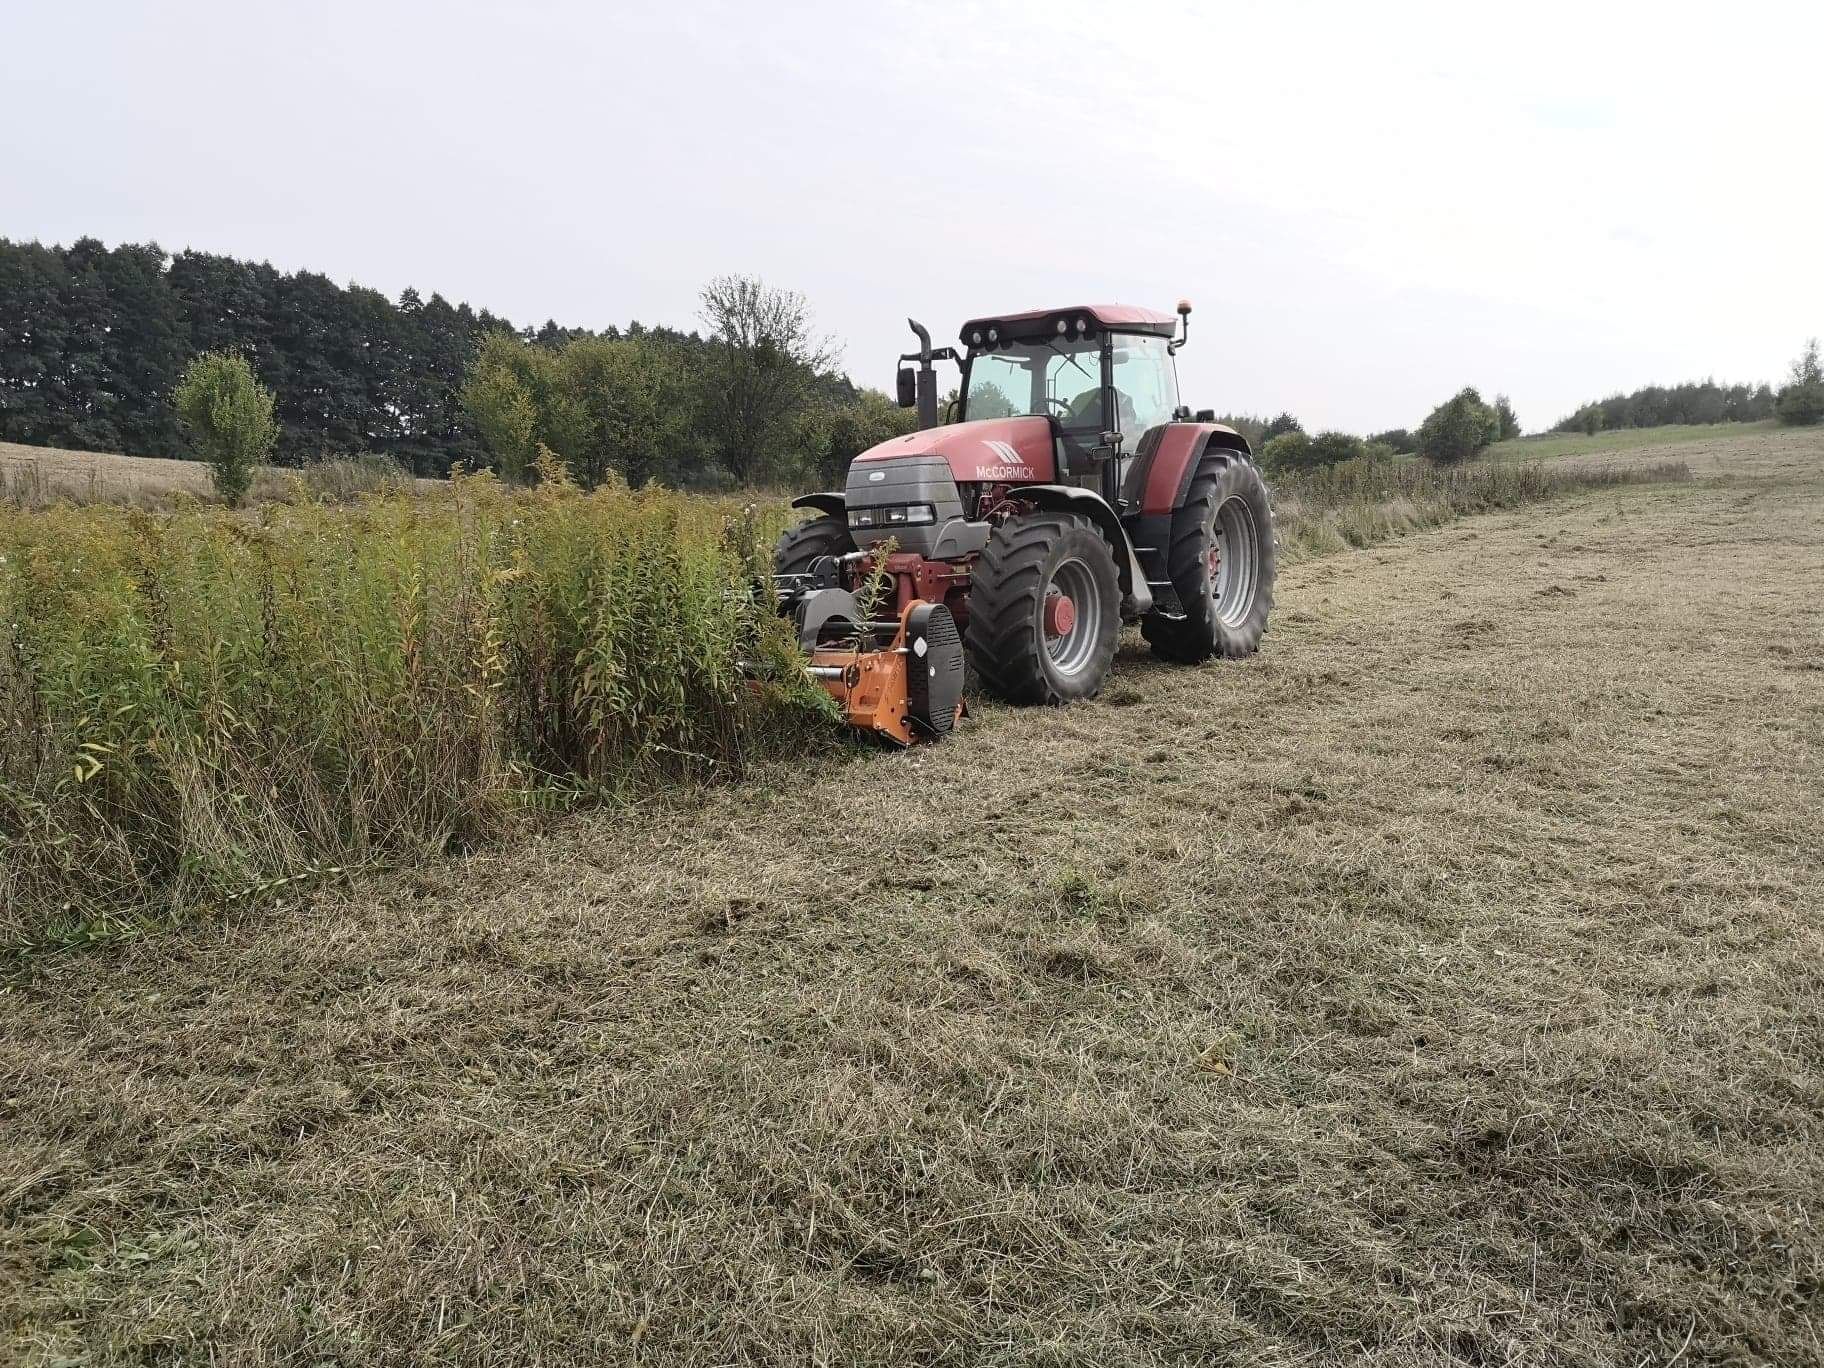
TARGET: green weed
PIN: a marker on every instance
(198, 704)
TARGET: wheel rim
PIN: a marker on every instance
(1234, 562)
(1072, 652)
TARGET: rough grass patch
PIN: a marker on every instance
(199, 704)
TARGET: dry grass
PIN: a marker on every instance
(1362, 503)
(39, 476)
(1441, 986)
(43, 477)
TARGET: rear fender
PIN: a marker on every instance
(1174, 461)
(1089, 504)
(832, 502)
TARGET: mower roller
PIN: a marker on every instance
(1080, 496)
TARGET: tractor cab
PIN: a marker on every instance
(1104, 375)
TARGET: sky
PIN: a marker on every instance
(1369, 205)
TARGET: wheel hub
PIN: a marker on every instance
(1060, 614)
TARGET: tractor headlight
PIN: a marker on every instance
(893, 515)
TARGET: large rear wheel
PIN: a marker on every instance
(1044, 610)
(1222, 566)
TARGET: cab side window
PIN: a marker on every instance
(1145, 383)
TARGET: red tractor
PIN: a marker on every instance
(1073, 493)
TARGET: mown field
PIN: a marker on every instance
(1442, 985)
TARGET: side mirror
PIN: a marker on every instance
(908, 388)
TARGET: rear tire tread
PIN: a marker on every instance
(1200, 635)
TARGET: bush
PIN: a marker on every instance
(1327, 448)
(1396, 439)
(195, 704)
(873, 418)
(1801, 402)
(1285, 453)
(1458, 428)
(228, 414)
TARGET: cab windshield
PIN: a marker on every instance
(1062, 379)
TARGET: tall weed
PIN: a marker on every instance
(202, 702)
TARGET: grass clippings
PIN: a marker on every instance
(1505, 940)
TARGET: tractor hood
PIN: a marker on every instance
(989, 450)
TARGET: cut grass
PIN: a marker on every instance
(1442, 985)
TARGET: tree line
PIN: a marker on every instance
(1800, 401)
(1695, 402)
(1455, 430)
(94, 342)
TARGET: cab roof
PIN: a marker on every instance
(1033, 322)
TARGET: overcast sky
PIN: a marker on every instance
(1370, 205)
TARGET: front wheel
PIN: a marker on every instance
(1044, 610)
(1222, 565)
(799, 546)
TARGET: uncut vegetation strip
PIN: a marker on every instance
(1360, 502)
(198, 704)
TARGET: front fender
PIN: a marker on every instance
(1089, 504)
(830, 501)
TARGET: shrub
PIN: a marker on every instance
(1327, 448)
(1396, 439)
(1458, 428)
(873, 418)
(228, 414)
(1285, 453)
(1801, 402)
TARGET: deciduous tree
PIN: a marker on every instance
(764, 363)
(1801, 402)
(229, 416)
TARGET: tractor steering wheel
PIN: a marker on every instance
(1063, 406)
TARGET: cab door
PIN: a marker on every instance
(1145, 383)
